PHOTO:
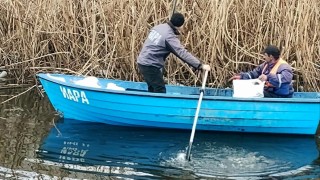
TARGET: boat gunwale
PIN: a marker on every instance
(178, 96)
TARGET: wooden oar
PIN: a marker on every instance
(196, 115)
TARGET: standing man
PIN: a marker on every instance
(276, 72)
(161, 41)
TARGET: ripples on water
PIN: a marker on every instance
(35, 143)
(249, 156)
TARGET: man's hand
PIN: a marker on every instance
(263, 77)
(205, 67)
(235, 77)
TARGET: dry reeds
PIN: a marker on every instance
(104, 37)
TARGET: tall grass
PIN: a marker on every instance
(104, 37)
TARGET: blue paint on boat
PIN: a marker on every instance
(175, 109)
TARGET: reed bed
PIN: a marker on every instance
(103, 37)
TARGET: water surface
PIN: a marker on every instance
(36, 143)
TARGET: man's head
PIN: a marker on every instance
(271, 53)
(177, 19)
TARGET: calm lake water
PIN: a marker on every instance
(36, 144)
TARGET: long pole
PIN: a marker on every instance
(196, 116)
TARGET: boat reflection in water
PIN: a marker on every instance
(159, 153)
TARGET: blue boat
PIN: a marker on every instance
(128, 103)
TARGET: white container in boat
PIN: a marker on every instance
(249, 88)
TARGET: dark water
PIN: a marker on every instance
(37, 144)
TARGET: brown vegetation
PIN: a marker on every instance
(103, 37)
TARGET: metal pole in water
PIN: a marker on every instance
(196, 115)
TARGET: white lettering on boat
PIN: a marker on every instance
(74, 95)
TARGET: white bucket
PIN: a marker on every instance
(251, 88)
